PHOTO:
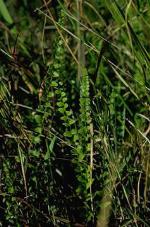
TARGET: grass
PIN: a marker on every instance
(74, 113)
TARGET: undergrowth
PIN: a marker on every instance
(74, 113)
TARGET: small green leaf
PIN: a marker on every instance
(35, 153)
(54, 84)
(38, 130)
(63, 94)
(11, 190)
(71, 121)
(69, 113)
(68, 134)
(60, 104)
(50, 148)
(65, 105)
(61, 110)
(56, 74)
(64, 99)
(64, 118)
(36, 139)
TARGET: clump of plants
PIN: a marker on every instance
(74, 113)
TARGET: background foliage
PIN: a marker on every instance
(74, 113)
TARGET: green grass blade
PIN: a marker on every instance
(5, 13)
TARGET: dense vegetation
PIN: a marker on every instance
(74, 113)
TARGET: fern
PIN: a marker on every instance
(85, 157)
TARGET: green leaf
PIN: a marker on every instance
(68, 113)
(50, 148)
(35, 153)
(62, 110)
(71, 121)
(64, 118)
(54, 84)
(68, 134)
(36, 139)
(4, 12)
(10, 189)
(60, 104)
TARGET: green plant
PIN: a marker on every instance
(74, 113)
